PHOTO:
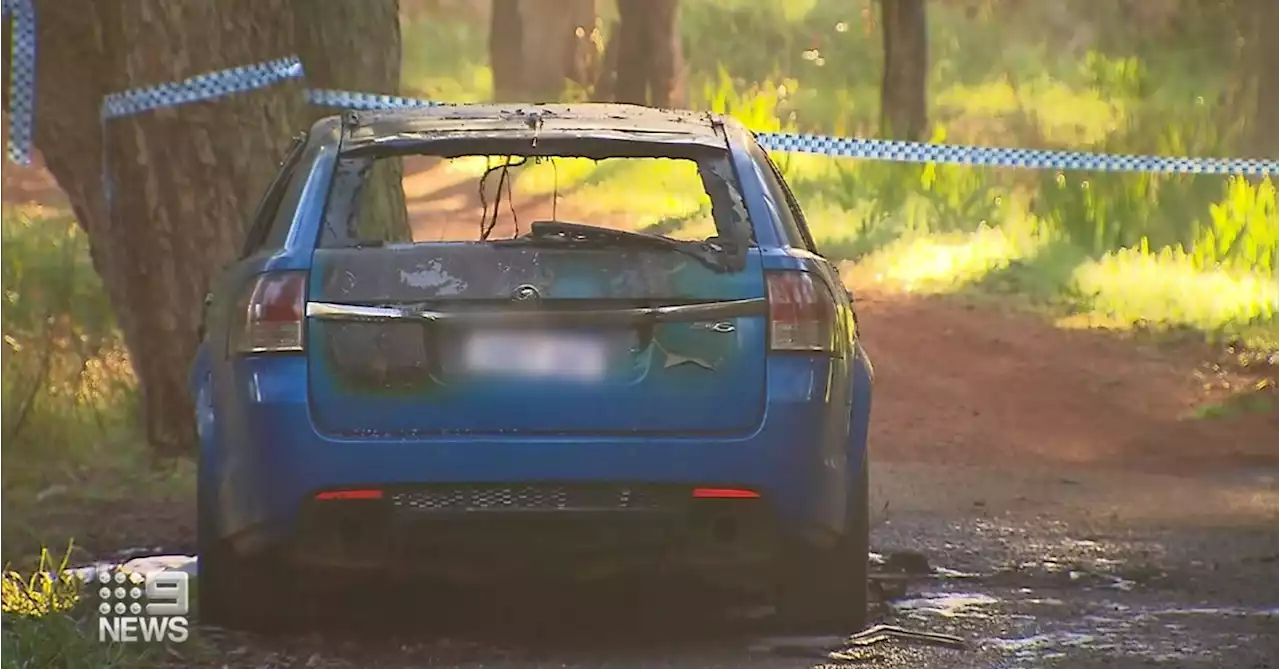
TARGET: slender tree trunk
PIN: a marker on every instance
(1262, 66)
(555, 38)
(355, 45)
(903, 88)
(184, 178)
(506, 50)
(607, 78)
(666, 78)
(649, 58)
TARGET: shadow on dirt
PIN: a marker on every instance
(548, 616)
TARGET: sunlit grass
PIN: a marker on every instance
(1059, 113)
(560, 175)
(48, 589)
(945, 263)
(1167, 288)
(1120, 290)
(648, 191)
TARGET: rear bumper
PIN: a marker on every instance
(263, 463)
(392, 533)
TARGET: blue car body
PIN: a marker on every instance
(783, 430)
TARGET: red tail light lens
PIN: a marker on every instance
(800, 313)
(272, 313)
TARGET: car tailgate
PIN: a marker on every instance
(469, 337)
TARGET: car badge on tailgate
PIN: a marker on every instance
(526, 293)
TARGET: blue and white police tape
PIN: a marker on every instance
(240, 79)
(22, 79)
(919, 152)
(201, 87)
(914, 152)
(323, 97)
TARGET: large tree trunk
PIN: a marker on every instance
(506, 54)
(184, 178)
(903, 94)
(354, 45)
(649, 57)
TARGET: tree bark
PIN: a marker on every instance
(606, 85)
(650, 61)
(354, 45)
(555, 46)
(184, 179)
(1262, 67)
(903, 88)
(506, 51)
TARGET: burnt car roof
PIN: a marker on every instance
(586, 120)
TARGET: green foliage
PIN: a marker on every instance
(1242, 229)
(48, 625)
(759, 106)
(67, 383)
(959, 198)
(69, 398)
(48, 590)
(445, 60)
(1122, 78)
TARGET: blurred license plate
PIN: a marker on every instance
(535, 355)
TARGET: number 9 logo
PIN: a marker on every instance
(168, 593)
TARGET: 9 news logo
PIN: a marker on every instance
(148, 608)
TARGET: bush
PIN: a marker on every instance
(67, 383)
(47, 624)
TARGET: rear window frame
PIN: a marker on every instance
(789, 211)
(559, 145)
(274, 210)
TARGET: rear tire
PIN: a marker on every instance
(825, 590)
(235, 592)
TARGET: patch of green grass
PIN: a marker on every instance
(1260, 399)
(648, 192)
(1167, 288)
(50, 621)
(1121, 290)
(64, 641)
(445, 60)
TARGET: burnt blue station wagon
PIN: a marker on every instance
(387, 383)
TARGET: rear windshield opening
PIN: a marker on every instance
(413, 199)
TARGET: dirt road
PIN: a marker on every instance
(1074, 513)
(1033, 566)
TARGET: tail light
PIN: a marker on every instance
(801, 315)
(271, 314)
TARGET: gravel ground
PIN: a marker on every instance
(1033, 568)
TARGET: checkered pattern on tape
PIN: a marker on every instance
(918, 152)
(322, 97)
(22, 79)
(201, 87)
(239, 79)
